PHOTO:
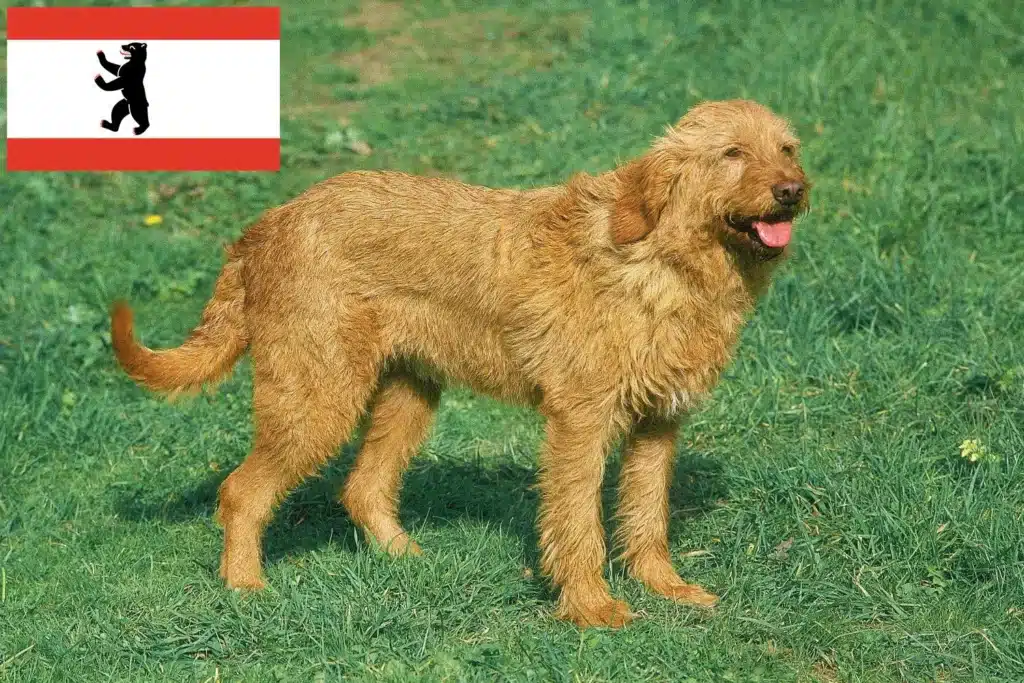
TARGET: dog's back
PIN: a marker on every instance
(374, 234)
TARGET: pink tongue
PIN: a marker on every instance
(774, 234)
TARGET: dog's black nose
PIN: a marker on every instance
(788, 193)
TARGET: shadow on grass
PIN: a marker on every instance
(437, 493)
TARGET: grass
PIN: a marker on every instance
(821, 492)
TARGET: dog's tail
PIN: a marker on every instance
(206, 356)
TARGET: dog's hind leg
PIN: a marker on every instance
(308, 398)
(401, 416)
(643, 512)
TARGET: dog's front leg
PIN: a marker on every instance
(643, 512)
(571, 535)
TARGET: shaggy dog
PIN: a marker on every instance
(611, 303)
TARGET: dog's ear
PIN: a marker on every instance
(637, 204)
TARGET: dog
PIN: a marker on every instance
(611, 303)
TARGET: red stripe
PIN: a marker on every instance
(154, 154)
(143, 23)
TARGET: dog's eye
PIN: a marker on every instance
(788, 150)
(734, 152)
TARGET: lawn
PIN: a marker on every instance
(821, 492)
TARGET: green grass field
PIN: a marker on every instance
(822, 491)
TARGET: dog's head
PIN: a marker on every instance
(731, 167)
(135, 51)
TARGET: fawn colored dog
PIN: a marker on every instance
(611, 303)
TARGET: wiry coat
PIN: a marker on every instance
(612, 303)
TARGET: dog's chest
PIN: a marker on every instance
(676, 402)
(678, 358)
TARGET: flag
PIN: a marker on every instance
(143, 89)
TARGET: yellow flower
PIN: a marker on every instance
(972, 450)
(153, 219)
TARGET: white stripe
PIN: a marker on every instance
(195, 88)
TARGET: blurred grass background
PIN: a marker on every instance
(822, 492)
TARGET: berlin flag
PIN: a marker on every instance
(143, 89)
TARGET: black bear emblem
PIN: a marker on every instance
(129, 82)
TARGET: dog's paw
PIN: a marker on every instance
(607, 613)
(245, 583)
(402, 546)
(663, 580)
(658, 575)
(687, 594)
(388, 536)
(239, 580)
